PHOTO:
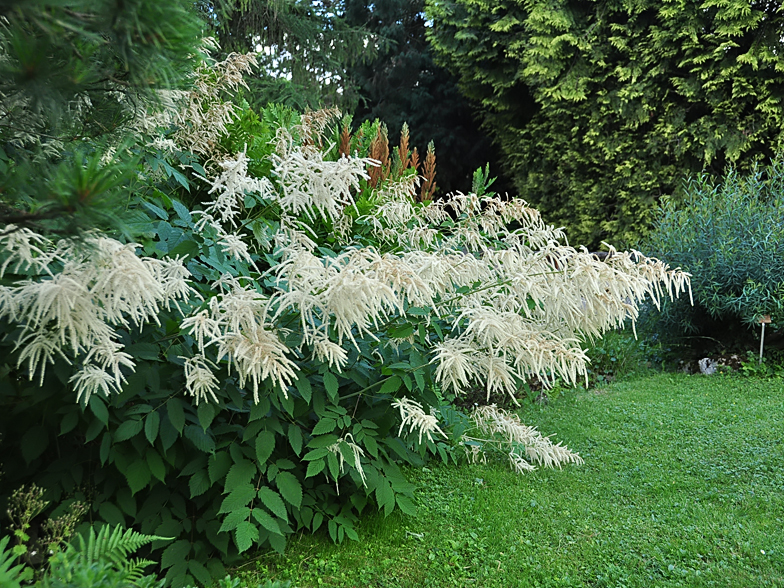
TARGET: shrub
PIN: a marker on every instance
(729, 234)
(283, 336)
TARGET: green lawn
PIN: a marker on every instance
(683, 485)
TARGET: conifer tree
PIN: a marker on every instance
(76, 79)
(602, 108)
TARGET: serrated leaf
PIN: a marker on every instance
(176, 413)
(200, 572)
(128, 429)
(202, 440)
(273, 501)
(176, 552)
(332, 464)
(238, 498)
(151, 426)
(138, 475)
(315, 454)
(240, 473)
(391, 385)
(156, 465)
(290, 488)
(206, 413)
(234, 518)
(184, 214)
(303, 386)
(69, 422)
(156, 210)
(218, 465)
(331, 385)
(406, 505)
(295, 438)
(246, 535)
(106, 445)
(325, 425)
(385, 496)
(315, 467)
(111, 514)
(266, 521)
(199, 483)
(98, 408)
(265, 444)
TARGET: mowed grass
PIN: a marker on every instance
(683, 485)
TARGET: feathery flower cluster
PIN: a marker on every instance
(414, 418)
(522, 444)
(238, 325)
(312, 185)
(71, 312)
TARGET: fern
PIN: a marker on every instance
(114, 546)
(11, 576)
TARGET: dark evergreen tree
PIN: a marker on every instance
(304, 48)
(603, 107)
(73, 75)
(402, 84)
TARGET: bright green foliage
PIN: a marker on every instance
(729, 235)
(73, 77)
(601, 107)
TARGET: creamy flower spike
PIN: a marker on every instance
(102, 284)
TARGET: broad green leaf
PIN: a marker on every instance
(199, 483)
(128, 429)
(325, 425)
(98, 408)
(385, 496)
(71, 419)
(218, 465)
(315, 467)
(176, 552)
(406, 505)
(246, 535)
(138, 475)
(331, 385)
(155, 463)
(303, 385)
(290, 488)
(206, 413)
(273, 501)
(111, 514)
(176, 413)
(391, 385)
(265, 444)
(316, 454)
(202, 440)
(295, 438)
(199, 572)
(239, 474)
(238, 498)
(266, 521)
(234, 518)
(151, 426)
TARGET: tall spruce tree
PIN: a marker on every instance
(304, 48)
(601, 108)
(74, 75)
(402, 84)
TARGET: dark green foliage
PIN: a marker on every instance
(729, 234)
(402, 84)
(73, 75)
(601, 107)
(307, 47)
